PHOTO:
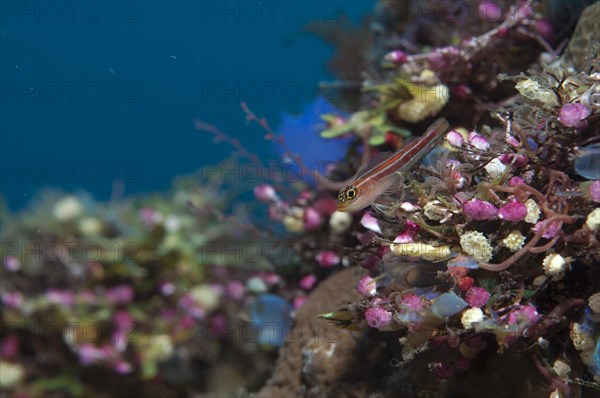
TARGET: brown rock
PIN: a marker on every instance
(316, 353)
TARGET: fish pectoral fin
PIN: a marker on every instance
(380, 208)
(395, 188)
(384, 206)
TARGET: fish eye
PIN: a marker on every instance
(351, 193)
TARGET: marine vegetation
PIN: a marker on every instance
(489, 250)
(141, 296)
(444, 242)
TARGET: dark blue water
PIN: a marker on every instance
(98, 92)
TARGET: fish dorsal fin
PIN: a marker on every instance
(378, 159)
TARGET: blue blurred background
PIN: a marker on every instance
(98, 92)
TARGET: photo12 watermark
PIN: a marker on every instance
(249, 253)
(254, 173)
(466, 12)
(122, 333)
(70, 251)
(69, 92)
(274, 333)
(68, 172)
(74, 332)
(70, 12)
(268, 92)
(269, 12)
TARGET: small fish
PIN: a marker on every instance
(381, 175)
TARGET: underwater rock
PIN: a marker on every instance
(320, 354)
(583, 46)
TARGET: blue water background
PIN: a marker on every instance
(98, 92)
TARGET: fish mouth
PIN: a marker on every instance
(342, 207)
